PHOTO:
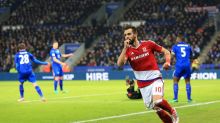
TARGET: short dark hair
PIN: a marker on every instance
(55, 41)
(134, 29)
(21, 46)
(181, 36)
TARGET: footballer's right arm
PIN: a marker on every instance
(67, 55)
(122, 58)
(16, 63)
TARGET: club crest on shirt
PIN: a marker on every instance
(144, 49)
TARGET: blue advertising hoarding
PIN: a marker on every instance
(70, 48)
(103, 74)
(111, 7)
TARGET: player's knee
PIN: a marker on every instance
(34, 84)
(156, 102)
(156, 108)
(156, 98)
(56, 78)
(187, 82)
(175, 82)
(153, 104)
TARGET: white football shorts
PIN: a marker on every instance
(156, 88)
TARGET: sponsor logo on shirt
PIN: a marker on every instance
(139, 56)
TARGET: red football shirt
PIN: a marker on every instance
(144, 63)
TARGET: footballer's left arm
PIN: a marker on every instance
(36, 61)
(167, 56)
(39, 62)
(163, 50)
(191, 56)
(67, 55)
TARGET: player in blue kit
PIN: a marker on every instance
(24, 67)
(57, 66)
(183, 55)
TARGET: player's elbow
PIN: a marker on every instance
(164, 50)
(120, 63)
(167, 52)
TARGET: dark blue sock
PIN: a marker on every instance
(21, 89)
(61, 85)
(175, 90)
(39, 91)
(188, 91)
(55, 85)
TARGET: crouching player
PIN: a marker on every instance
(24, 67)
(131, 92)
(140, 55)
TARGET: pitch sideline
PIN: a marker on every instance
(144, 112)
(72, 97)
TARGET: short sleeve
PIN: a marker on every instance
(16, 58)
(190, 51)
(31, 56)
(52, 53)
(173, 50)
(155, 46)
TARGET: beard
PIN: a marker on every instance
(131, 42)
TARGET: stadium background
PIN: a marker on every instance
(92, 29)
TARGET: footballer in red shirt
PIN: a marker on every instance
(140, 55)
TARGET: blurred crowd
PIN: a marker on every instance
(163, 10)
(6, 3)
(38, 41)
(39, 12)
(107, 50)
(161, 30)
(214, 53)
(45, 20)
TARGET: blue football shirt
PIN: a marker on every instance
(183, 53)
(55, 53)
(23, 61)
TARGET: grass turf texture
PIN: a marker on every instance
(88, 100)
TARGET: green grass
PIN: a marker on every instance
(88, 100)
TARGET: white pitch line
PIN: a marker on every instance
(144, 112)
(72, 97)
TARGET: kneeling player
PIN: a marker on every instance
(131, 93)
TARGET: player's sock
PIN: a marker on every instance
(164, 116)
(21, 89)
(55, 85)
(163, 104)
(61, 85)
(39, 91)
(175, 91)
(188, 91)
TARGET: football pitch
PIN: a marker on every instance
(103, 102)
